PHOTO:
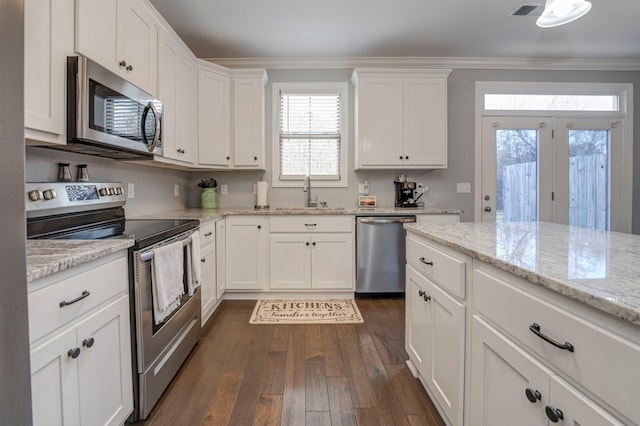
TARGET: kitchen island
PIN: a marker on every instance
(534, 321)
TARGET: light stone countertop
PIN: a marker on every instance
(207, 215)
(46, 257)
(598, 268)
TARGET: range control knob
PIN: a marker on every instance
(34, 195)
(103, 192)
(119, 190)
(49, 194)
(112, 191)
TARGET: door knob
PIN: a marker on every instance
(487, 209)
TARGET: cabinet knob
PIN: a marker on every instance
(426, 298)
(314, 243)
(255, 158)
(532, 395)
(307, 243)
(122, 64)
(420, 293)
(203, 260)
(180, 151)
(228, 158)
(74, 353)
(259, 226)
(406, 157)
(129, 68)
(401, 157)
(208, 234)
(553, 414)
(88, 342)
(487, 209)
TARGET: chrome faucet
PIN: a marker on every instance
(306, 187)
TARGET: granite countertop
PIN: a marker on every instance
(206, 215)
(598, 268)
(46, 257)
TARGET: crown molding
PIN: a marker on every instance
(431, 62)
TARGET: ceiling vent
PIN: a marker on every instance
(532, 10)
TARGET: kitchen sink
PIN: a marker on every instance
(311, 209)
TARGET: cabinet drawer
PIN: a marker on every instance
(601, 361)
(444, 268)
(102, 282)
(311, 223)
(207, 233)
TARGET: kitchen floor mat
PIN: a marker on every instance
(307, 311)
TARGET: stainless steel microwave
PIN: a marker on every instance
(108, 116)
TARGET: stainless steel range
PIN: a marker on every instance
(95, 211)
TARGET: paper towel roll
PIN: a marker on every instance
(261, 197)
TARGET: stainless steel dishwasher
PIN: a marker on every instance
(380, 254)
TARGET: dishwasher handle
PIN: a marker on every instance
(373, 220)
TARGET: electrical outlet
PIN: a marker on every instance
(224, 189)
(419, 187)
(176, 190)
(255, 189)
(463, 187)
(131, 191)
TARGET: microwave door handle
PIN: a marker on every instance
(156, 138)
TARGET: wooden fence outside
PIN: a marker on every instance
(588, 191)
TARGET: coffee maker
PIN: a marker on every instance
(405, 192)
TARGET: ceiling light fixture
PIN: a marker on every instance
(560, 12)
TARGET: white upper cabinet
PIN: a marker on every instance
(48, 40)
(401, 119)
(214, 116)
(248, 119)
(121, 36)
(176, 90)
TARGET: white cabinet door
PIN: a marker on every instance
(417, 332)
(380, 122)
(501, 376)
(248, 122)
(289, 261)
(137, 44)
(185, 109)
(54, 382)
(221, 238)
(447, 335)
(575, 408)
(104, 365)
(214, 119)
(96, 32)
(246, 254)
(425, 122)
(176, 90)
(121, 36)
(332, 261)
(48, 40)
(208, 290)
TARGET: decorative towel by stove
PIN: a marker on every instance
(194, 264)
(167, 273)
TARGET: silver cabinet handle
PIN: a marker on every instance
(426, 262)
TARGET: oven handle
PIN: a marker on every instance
(148, 255)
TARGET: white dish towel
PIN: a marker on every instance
(167, 275)
(194, 264)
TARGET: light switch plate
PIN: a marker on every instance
(463, 188)
(224, 189)
(130, 191)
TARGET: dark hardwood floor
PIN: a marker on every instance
(348, 374)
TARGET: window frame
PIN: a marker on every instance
(341, 88)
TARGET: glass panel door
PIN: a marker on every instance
(516, 169)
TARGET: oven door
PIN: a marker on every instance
(153, 341)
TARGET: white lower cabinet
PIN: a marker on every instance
(208, 289)
(311, 253)
(509, 387)
(83, 375)
(246, 253)
(81, 350)
(435, 342)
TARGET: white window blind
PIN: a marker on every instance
(310, 131)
